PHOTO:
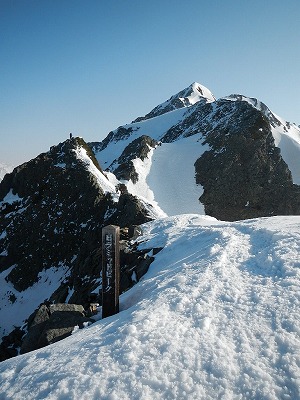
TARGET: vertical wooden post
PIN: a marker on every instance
(110, 270)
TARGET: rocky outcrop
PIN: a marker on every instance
(243, 173)
(46, 212)
(52, 210)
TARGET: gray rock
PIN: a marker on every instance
(35, 329)
(52, 323)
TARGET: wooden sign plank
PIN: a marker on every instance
(110, 270)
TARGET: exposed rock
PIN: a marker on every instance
(244, 175)
(120, 133)
(52, 323)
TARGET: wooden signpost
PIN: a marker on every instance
(110, 270)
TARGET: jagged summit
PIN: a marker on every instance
(185, 98)
(197, 92)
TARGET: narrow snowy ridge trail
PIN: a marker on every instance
(229, 295)
(216, 316)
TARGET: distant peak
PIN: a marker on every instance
(196, 92)
(185, 98)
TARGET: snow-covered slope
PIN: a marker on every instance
(215, 317)
(171, 177)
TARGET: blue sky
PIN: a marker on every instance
(87, 66)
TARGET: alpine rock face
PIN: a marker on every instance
(230, 158)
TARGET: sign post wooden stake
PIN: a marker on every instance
(110, 270)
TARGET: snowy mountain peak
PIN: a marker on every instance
(196, 92)
(185, 98)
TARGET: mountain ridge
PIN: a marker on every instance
(203, 119)
(193, 154)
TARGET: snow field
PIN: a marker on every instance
(170, 186)
(172, 176)
(216, 316)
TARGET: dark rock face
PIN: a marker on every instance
(59, 202)
(244, 175)
(56, 198)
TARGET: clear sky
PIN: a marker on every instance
(88, 66)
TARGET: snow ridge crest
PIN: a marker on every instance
(185, 98)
